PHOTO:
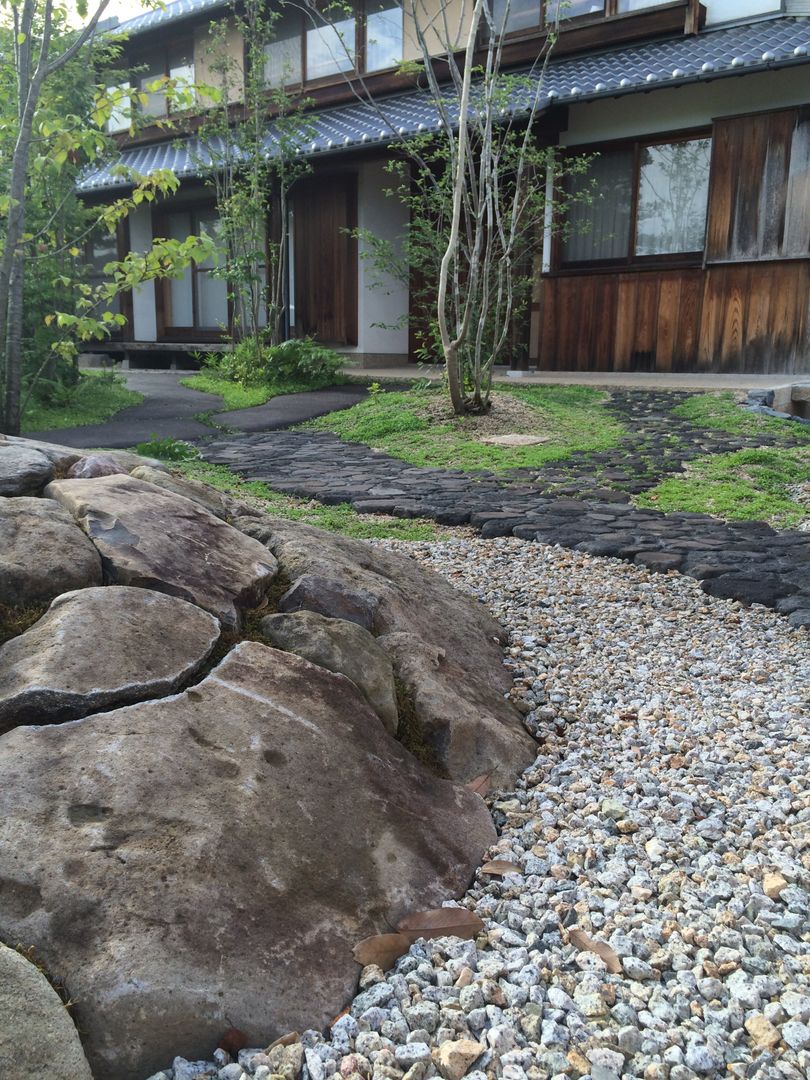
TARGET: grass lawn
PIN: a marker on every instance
(96, 397)
(418, 426)
(749, 485)
(722, 413)
(338, 519)
(237, 396)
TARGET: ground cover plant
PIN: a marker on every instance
(721, 412)
(418, 426)
(749, 485)
(94, 398)
(185, 459)
(292, 367)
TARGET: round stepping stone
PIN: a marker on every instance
(100, 647)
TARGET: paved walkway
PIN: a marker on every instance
(639, 380)
(169, 410)
(583, 503)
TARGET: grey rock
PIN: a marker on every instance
(23, 470)
(37, 1036)
(99, 647)
(42, 553)
(469, 729)
(341, 647)
(213, 501)
(153, 855)
(154, 539)
(95, 465)
(330, 597)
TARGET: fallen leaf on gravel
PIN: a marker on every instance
(381, 949)
(500, 868)
(481, 785)
(582, 941)
(286, 1040)
(441, 922)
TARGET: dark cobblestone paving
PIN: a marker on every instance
(582, 503)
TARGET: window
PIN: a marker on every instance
(176, 63)
(639, 5)
(198, 299)
(120, 115)
(340, 42)
(648, 200)
(282, 55)
(673, 192)
(100, 251)
(383, 34)
(572, 9)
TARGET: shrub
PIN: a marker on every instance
(167, 449)
(299, 360)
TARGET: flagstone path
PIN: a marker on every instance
(581, 503)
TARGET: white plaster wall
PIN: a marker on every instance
(380, 301)
(144, 324)
(693, 105)
(724, 10)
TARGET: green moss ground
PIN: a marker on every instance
(236, 396)
(95, 398)
(573, 418)
(748, 485)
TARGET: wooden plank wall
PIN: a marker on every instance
(732, 318)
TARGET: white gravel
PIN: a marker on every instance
(667, 814)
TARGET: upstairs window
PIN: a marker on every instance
(340, 41)
(331, 45)
(175, 63)
(649, 201)
(282, 55)
(522, 16)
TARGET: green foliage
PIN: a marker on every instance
(167, 449)
(720, 412)
(748, 485)
(572, 418)
(93, 398)
(302, 362)
(339, 519)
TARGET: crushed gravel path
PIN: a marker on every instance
(667, 815)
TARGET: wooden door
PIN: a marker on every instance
(325, 213)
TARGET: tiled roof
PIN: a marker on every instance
(170, 13)
(734, 50)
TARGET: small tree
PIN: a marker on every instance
(476, 187)
(252, 176)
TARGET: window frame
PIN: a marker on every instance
(176, 332)
(630, 260)
(359, 8)
(610, 13)
(143, 57)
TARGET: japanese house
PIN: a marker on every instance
(694, 257)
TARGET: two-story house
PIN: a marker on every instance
(695, 256)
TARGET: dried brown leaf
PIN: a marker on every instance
(441, 922)
(381, 949)
(582, 941)
(501, 867)
(481, 785)
(289, 1039)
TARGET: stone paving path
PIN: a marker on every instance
(582, 503)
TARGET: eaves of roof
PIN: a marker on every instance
(727, 51)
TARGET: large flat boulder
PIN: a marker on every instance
(37, 1036)
(409, 597)
(100, 647)
(208, 860)
(214, 501)
(23, 470)
(62, 457)
(42, 553)
(468, 729)
(154, 539)
(342, 647)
